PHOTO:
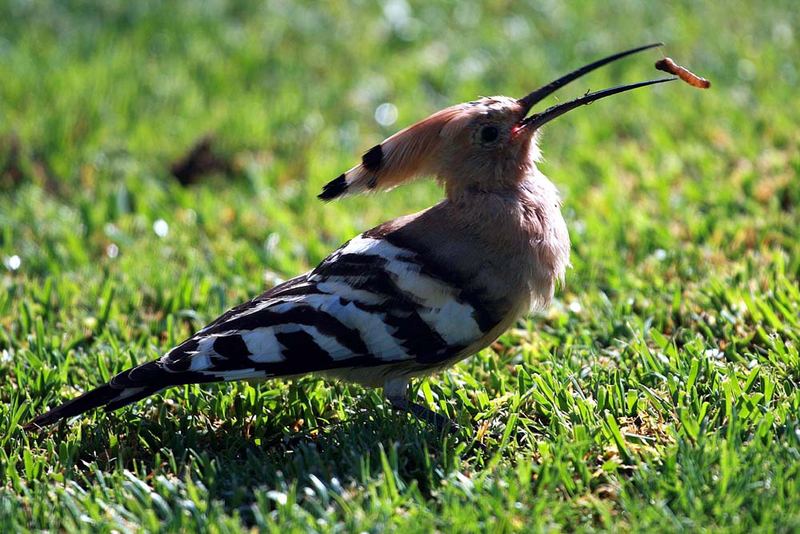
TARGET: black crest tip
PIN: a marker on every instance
(334, 188)
(373, 159)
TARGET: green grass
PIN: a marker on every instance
(660, 391)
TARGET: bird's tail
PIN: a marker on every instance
(125, 388)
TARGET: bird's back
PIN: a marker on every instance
(372, 302)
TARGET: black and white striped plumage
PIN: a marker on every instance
(374, 311)
(369, 304)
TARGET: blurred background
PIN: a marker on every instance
(99, 101)
(160, 161)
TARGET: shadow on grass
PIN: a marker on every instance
(234, 467)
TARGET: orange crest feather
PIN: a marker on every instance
(402, 157)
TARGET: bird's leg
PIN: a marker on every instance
(422, 413)
(396, 391)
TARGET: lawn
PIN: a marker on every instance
(660, 391)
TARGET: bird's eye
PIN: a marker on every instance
(489, 134)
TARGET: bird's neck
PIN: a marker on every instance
(510, 245)
(523, 227)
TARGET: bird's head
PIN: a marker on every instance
(485, 145)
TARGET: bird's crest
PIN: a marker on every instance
(402, 157)
(476, 145)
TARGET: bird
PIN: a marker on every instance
(409, 297)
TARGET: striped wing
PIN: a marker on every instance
(370, 303)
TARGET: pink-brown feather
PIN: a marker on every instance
(406, 155)
(444, 146)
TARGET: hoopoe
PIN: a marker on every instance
(411, 296)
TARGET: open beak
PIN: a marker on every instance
(538, 119)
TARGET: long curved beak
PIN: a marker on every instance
(538, 119)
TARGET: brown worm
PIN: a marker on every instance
(668, 65)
